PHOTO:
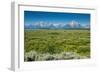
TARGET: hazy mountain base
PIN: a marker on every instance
(43, 45)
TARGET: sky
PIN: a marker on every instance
(32, 17)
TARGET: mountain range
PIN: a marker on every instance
(45, 25)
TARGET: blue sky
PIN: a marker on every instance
(32, 17)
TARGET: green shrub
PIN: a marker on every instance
(55, 43)
(30, 56)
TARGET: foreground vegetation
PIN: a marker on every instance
(56, 44)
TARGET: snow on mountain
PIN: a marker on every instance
(49, 25)
(73, 24)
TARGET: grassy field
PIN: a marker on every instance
(45, 44)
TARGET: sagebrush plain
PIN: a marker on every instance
(54, 44)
